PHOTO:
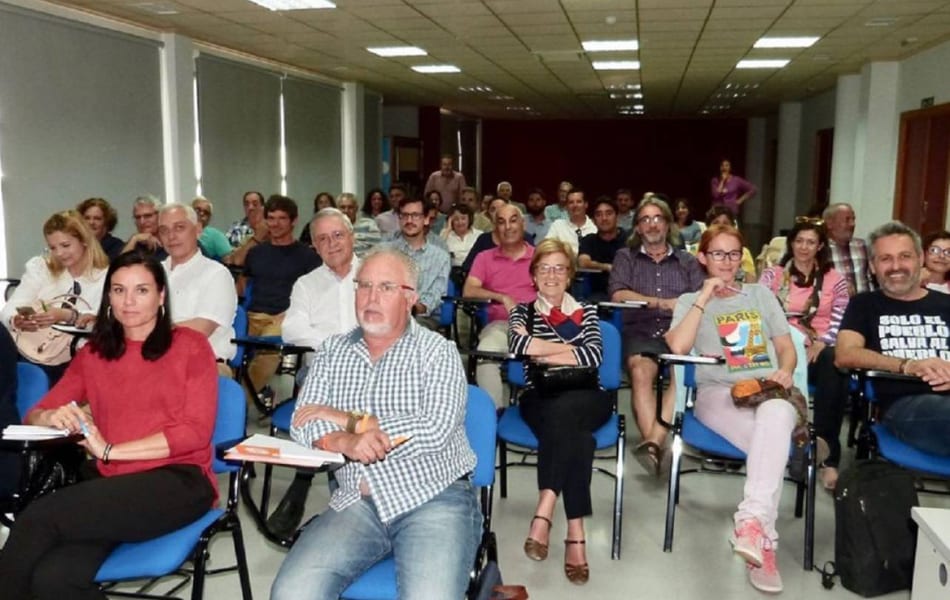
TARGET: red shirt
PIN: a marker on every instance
(498, 273)
(132, 398)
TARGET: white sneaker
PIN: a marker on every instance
(766, 578)
(747, 541)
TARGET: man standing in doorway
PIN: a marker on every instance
(448, 182)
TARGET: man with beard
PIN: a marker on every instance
(902, 328)
(848, 253)
(536, 224)
(651, 270)
(500, 274)
(577, 225)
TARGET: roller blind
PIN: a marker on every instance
(313, 138)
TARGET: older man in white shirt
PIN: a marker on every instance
(202, 290)
(322, 304)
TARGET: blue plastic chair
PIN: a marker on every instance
(240, 331)
(32, 385)
(513, 430)
(876, 439)
(688, 430)
(165, 555)
(448, 313)
(379, 582)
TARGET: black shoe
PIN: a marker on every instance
(285, 520)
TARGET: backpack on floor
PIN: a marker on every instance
(875, 537)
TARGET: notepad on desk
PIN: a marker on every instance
(33, 432)
(269, 449)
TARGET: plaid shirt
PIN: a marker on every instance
(852, 262)
(434, 265)
(633, 269)
(417, 388)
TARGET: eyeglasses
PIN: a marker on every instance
(202, 211)
(548, 269)
(383, 288)
(937, 251)
(337, 236)
(721, 255)
(414, 216)
(817, 221)
(655, 220)
(144, 216)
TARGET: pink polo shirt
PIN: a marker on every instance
(501, 274)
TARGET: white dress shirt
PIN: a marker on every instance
(204, 289)
(321, 304)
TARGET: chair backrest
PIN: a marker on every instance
(610, 371)
(447, 311)
(230, 422)
(480, 426)
(240, 331)
(32, 384)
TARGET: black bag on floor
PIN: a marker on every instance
(875, 537)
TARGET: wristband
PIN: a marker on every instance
(701, 309)
(105, 454)
(900, 367)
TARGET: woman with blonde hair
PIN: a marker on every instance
(63, 286)
(557, 330)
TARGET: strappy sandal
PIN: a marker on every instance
(576, 574)
(534, 549)
(650, 457)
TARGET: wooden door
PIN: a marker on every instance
(922, 169)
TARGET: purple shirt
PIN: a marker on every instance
(676, 274)
(498, 273)
(735, 188)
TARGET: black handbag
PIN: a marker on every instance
(547, 379)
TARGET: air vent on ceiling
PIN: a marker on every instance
(880, 22)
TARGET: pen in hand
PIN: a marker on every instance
(82, 424)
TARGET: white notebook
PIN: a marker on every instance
(269, 449)
(32, 432)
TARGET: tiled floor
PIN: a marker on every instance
(700, 566)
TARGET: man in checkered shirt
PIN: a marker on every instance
(390, 395)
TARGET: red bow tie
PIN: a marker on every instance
(557, 317)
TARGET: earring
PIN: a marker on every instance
(109, 312)
(161, 309)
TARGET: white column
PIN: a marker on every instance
(352, 127)
(877, 140)
(786, 176)
(847, 115)
(178, 116)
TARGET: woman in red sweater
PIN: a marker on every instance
(145, 397)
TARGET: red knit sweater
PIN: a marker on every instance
(132, 398)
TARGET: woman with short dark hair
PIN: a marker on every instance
(144, 396)
(102, 219)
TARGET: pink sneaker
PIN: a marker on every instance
(747, 541)
(766, 578)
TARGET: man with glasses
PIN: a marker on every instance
(651, 270)
(597, 250)
(145, 215)
(391, 397)
(577, 225)
(321, 305)
(213, 243)
(502, 275)
(433, 260)
(848, 253)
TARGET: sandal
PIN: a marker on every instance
(576, 574)
(650, 457)
(534, 549)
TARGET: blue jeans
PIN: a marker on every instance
(433, 545)
(921, 421)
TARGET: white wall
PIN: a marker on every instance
(818, 112)
(924, 75)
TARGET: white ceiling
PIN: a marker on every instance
(529, 51)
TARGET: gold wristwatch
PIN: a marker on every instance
(353, 419)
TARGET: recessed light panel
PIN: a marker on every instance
(391, 51)
(616, 65)
(768, 63)
(610, 45)
(785, 42)
(436, 69)
(294, 4)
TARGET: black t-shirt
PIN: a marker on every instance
(912, 329)
(273, 271)
(602, 251)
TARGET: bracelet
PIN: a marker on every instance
(900, 367)
(701, 309)
(105, 454)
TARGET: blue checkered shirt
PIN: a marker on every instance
(417, 388)
(434, 265)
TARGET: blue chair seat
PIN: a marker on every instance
(906, 456)
(155, 557)
(377, 583)
(280, 418)
(513, 429)
(705, 439)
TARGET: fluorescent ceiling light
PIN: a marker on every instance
(769, 63)
(616, 65)
(391, 51)
(294, 4)
(610, 46)
(623, 86)
(785, 42)
(436, 69)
